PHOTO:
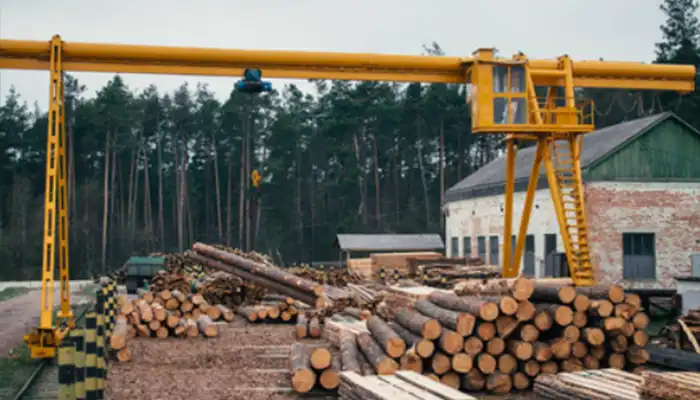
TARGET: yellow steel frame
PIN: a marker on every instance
(545, 123)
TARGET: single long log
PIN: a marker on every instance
(391, 342)
(607, 291)
(419, 324)
(274, 274)
(424, 347)
(348, 353)
(303, 377)
(519, 288)
(551, 293)
(486, 310)
(276, 286)
(460, 322)
(382, 364)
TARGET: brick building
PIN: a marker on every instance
(642, 190)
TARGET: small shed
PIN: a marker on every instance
(387, 242)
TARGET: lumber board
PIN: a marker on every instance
(442, 391)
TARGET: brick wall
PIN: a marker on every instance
(670, 210)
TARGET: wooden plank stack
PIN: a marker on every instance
(339, 277)
(508, 332)
(670, 386)
(313, 366)
(605, 384)
(403, 385)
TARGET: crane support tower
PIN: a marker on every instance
(501, 94)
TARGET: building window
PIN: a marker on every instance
(454, 246)
(467, 244)
(481, 244)
(493, 253)
(638, 256)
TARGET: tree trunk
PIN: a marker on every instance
(229, 200)
(217, 187)
(105, 206)
(390, 341)
(242, 195)
(161, 203)
(377, 188)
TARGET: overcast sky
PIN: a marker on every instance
(585, 29)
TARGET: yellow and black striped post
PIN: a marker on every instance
(110, 309)
(443, 280)
(100, 347)
(91, 356)
(382, 274)
(396, 275)
(78, 336)
(66, 369)
(425, 278)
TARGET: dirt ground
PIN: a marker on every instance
(246, 361)
(20, 314)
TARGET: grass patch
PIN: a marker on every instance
(8, 293)
(15, 369)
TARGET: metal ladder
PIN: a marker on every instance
(568, 175)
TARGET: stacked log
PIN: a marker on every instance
(313, 366)
(162, 315)
(261, 274)
(507, 333)
(274, 309)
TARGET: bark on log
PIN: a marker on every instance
(249, 313)
(381, 363)
(462, 323)
(519, 288)
(303, 377)
(315, 328)
(485, 310)
(276, 286)
(390, 341)
(419, 324)
(612, 292)
(258, 269)
(348, 353)
(555, 294)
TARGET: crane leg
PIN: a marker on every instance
(45, 338)
(508, 268)
(514, 268)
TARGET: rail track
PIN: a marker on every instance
(43, 382)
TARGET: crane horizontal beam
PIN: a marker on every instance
(142, 59)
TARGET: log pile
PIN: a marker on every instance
(446, 274)
(170, 280)
(670, 386)
(260, 273)
(162, 315)
(511, 332)
(274, 308)
(605, 384)
(683, 335)
(313, 366)
(339, 277)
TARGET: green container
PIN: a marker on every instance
(139, 269)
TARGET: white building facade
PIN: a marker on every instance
(641, 233)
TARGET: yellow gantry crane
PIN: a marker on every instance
(501, 96)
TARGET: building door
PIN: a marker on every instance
(493, 253)
(529, 256)
(550, 247)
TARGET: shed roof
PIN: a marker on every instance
(490, 179)
(388, 242)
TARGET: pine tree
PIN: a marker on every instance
(681, 33)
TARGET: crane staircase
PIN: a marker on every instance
(567, 170)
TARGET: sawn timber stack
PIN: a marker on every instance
(271, 278)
